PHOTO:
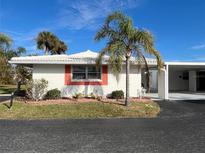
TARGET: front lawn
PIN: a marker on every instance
(21, 110)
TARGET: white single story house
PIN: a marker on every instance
(77, 73)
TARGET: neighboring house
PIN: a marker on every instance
(77, 73)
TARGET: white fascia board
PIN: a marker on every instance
(186, 63)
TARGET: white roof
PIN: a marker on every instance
(85, 57)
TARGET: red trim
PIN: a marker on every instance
(69, 82)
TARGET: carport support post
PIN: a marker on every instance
(192, 81)
(163, 83)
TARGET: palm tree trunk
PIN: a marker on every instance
(127, 81)
(147, 74)
(46, 50)
(18, 86)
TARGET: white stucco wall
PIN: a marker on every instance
(162, 84)
(153, 80)
(55, 75)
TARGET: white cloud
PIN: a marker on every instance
(198, 47)
(87, 14)
(76, 15)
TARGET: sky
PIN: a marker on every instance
(177, 25)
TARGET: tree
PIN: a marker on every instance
(45, 41)
(5, 42)
(124, 41)
(22, 73)
(59, 48)
(5, 71)
(49, 42)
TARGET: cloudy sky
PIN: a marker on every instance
(178, 25)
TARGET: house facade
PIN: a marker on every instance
(77, 73)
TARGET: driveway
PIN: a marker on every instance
(179, 128)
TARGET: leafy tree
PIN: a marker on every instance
(49, 42)
(9, 74)
(5, 71)
(22, 74)
(123, 42)
(5, 42)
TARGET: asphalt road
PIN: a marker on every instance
(179, 128)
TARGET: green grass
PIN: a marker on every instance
(22, 110)
(7, 89)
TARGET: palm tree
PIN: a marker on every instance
(5, 41)
(59, 48)
(50, 43)
(124, 41)
(46, 41)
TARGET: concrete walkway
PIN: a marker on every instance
(183, 95)
(4, 97)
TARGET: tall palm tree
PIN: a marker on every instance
(50, 43)
(5, 41)
(46, 41)
(124, 41)
(59, 48)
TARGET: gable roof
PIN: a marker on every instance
(85, 57)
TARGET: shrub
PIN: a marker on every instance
(118, 94)
(78, 95)
(53, 94)
(21, 93)
(36, 89)
(93, 96)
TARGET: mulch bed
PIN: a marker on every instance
(80, 100)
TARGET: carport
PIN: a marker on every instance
(182, 81)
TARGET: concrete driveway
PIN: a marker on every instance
(182, 95)
(179, 128)
(186, 96)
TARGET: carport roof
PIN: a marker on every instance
(186, 63)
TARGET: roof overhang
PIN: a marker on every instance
(186, 65)
(87, 57)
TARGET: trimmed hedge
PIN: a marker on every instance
(53, 94)
(118, 94)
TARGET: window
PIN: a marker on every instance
(86, 72)
(79, 72)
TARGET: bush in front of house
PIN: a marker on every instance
(36, 89)
(53, 94)
(118, 94)
(78, 95)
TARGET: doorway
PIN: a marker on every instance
(200, 81)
